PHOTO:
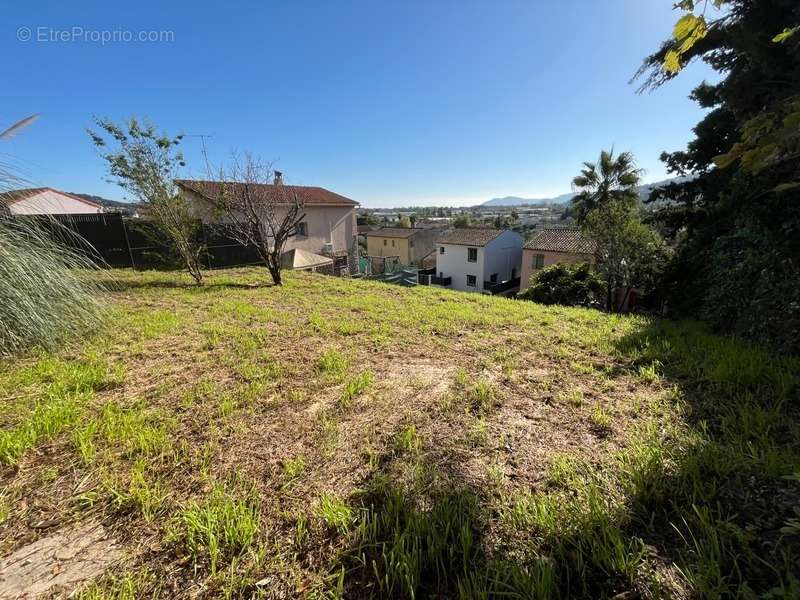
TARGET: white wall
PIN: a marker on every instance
(51, 202)
(504, 256)
(453, 263)
(501, 256)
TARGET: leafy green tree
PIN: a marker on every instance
(610, 179)
(404, 222)
(146, 163)
(735, 216)
(566, 284)
(628, 255)
(462, 221)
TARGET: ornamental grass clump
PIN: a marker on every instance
(47, 291)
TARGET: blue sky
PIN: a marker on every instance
(390, 103)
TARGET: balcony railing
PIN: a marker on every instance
(501, 286)
(428, 277)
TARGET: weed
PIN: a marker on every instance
(292, 469)
(218, 528)
(481, 397)
(332, 364)
(649, 373)
(335, 512)
(407, 439)
(127, 587)
(478, 434)
(49, 418)
(354, 387)
(573, 396)
(601, 419)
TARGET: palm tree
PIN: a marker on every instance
(610, 179)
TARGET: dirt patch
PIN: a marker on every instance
(58, 562)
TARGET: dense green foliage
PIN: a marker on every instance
(44, 299)
(570, 285)
(629, 254)
(736, 220)
(462, 221)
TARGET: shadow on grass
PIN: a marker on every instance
(160, 284)
(718, 496)
(713, 495)
(414, 543)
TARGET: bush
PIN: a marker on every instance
(565, 284)
(45, 296)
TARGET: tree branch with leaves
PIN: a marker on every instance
(146, 164)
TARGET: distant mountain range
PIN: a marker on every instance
(113, 205)
(644, 192)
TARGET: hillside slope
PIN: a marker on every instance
(343, 438)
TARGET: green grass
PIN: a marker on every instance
(355, 387)
(217, 528)
(332, 364)
(378, 441)
(335, 512)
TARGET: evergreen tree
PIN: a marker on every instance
(735, 216)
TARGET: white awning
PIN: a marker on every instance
(303, 259)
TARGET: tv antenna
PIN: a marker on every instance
(203, 137)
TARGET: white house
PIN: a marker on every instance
(479, 260)
(47, 201)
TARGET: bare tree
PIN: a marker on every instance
(256, 208)
(146, 164)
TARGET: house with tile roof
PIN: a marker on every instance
(47, 201)
(552, 246)
(329, 226)
(479, 260)
(411, 246)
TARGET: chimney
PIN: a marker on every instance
(278, 180)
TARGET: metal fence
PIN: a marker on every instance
(141, 244)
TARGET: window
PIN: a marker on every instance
(493, 278)
(538, 261)
(302, 229)
(441, 249)
(385, 242)
(392, 243)
(410, 243)
(471, 280)
(472, 255)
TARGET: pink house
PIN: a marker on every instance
(47, 201)
(551, 246)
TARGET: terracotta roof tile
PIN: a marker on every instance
(393, 232)
(309, 196)
(469, 237)
(561, 239)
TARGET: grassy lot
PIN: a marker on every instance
(336, 438)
